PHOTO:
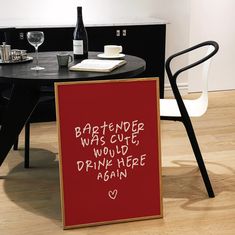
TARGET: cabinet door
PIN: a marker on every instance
(100, 36)
(147, 42)
(56, 39)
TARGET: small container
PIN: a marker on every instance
(5, 52)
(23, 54)
(18, 55)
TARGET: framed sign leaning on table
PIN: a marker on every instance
(110, 162)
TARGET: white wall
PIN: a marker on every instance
(18, 13)
(63, 12)
(214, 19)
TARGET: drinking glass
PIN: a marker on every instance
(36, 38)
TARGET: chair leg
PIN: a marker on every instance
(26, 145)
(198, 155)
(15, 146)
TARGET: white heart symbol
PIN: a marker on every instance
(113, 194)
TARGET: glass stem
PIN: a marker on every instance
(36, 50)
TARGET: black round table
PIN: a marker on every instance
(21, 72)
(28, 86)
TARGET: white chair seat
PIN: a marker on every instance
(195, 108)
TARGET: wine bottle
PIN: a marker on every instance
(80, 39)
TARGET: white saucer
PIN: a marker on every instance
(110, 57)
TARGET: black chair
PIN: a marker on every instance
(40, 114)
(3, 101)
(179, 109)
(44, 112)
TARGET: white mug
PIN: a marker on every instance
(112, 50)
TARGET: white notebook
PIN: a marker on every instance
(96, 65)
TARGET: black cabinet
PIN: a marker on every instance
(145, 41)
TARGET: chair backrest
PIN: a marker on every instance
(213, 48)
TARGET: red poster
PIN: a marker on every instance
(110, 168)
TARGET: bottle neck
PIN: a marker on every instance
(79, 16)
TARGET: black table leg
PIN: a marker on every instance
(26, 144)
(24, 99)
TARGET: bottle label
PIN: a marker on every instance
(78, 47)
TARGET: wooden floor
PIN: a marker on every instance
(30, 198)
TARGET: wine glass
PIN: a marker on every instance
(36, 38)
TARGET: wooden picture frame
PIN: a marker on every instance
(109, 151)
